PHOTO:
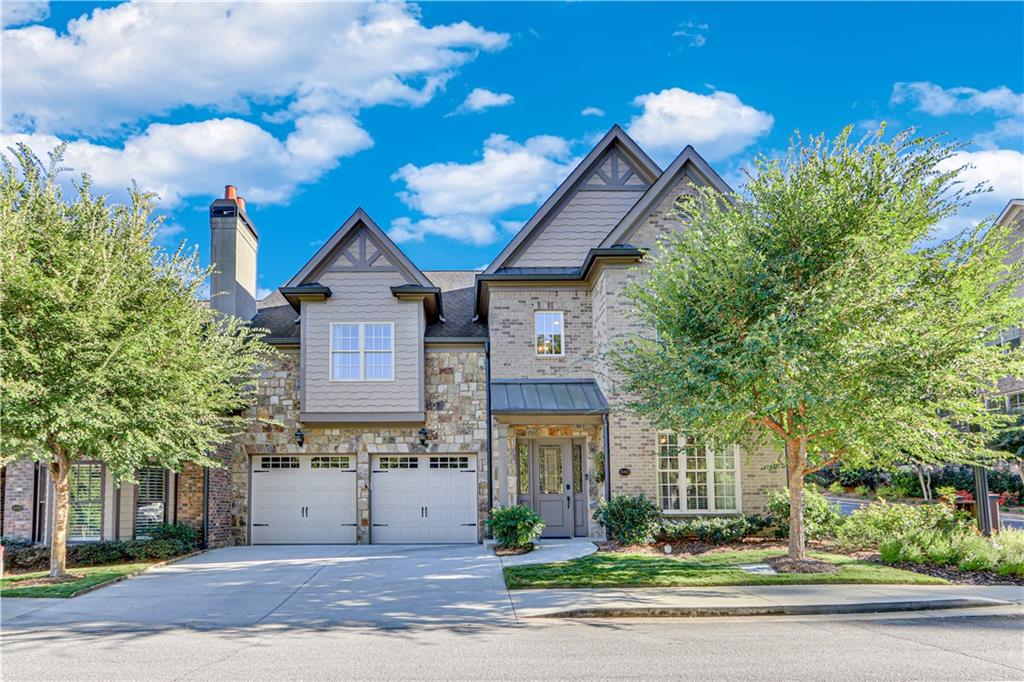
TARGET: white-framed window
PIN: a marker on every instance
(362, 351)
(549, 332)
(696, 475)
(85, 504)
(1015, 403)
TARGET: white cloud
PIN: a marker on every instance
(177, 161)
(315, 69)
(263, 292)
(481, 98)
(717, 125)
(694, 32)
(938, 101)
(1001, 169)
(463, 200)
(18, 13)
(168, 234)
(592, 111)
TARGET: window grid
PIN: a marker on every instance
(149, 500)
(1015, 402)
(279, 462)
(362, 351)
(399, 462)
(330, 462)
(694, 475)
(85, 509)
(549, 332)
(449, 462)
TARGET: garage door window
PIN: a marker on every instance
(330, 462)
(449, 462)
(279, 462)
(399, 462)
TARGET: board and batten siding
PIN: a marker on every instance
(362, 297)
(580, 226)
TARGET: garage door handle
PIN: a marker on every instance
(261, 524)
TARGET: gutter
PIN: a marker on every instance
(490, 445)
(206, 507)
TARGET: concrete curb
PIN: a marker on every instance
(112, 581)
(771, 610)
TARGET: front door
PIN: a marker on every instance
(553, 487)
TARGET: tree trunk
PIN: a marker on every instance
(796, 455)
(925, 492)
(60, 469)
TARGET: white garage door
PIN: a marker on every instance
(303, 499)
(417, 499)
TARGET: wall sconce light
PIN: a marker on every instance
(300, 437)
(423, 434)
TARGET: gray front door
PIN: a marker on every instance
(553, 499)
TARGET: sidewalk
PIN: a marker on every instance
(757, 600)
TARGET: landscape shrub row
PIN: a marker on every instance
(166, 541)
(934, 534)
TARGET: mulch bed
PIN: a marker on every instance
(512, 551)
(783, 564)
(955, 575)
(689, 548)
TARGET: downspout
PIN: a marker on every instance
(607, 460)
(206, 507)
(490, 446)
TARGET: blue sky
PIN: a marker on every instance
(449, 122)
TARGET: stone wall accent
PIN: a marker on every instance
(18, 499)
(456, 421)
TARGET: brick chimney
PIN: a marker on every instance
(233, 245)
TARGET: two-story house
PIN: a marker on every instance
(409, 403)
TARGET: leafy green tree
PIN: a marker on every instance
(820, 312)
(106, 352)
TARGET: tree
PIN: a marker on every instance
(106, 352)
(820, 312)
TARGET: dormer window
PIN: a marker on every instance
(549, 332)
(363, 351)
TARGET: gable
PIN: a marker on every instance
(653, 213)
(359, 245)
(584, 208)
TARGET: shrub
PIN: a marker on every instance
(721, 530)
(515, 527)
(836, 488)
(862, 490)
(885, 492)
(166, 542)
(905, 483)
(875, 523)
(630, 520)
(1009, 544)
(821, 517)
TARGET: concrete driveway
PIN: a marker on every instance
(292, 586)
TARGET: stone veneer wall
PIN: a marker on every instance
(456, 419)
(18, 499)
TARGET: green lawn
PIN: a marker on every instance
(719, 568)
(91, 575)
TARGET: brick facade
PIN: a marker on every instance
(18, 499)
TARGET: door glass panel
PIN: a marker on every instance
(577, 467)
(550, 465)
(523, 456)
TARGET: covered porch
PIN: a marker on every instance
(551, 451)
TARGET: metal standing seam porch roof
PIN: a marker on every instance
(547, 396)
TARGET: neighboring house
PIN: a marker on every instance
(1009, 394)
(407, 404)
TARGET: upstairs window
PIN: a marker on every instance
(549, 332)
(363, 351)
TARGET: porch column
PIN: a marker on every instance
(502, 465)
